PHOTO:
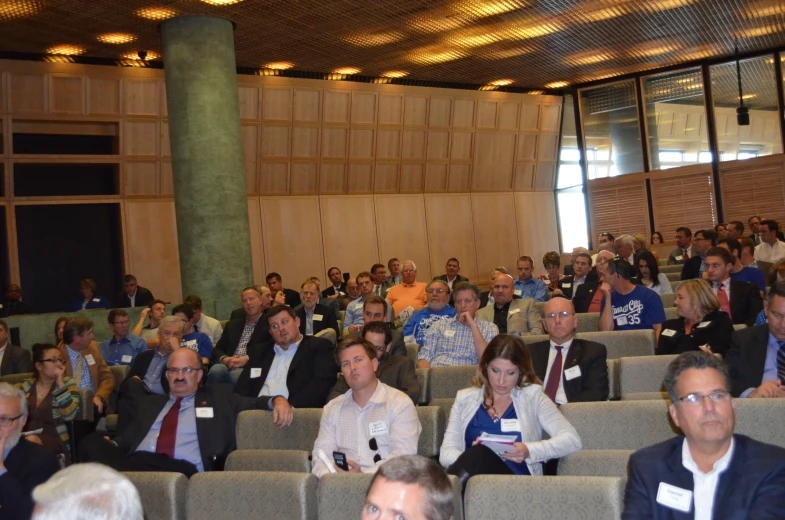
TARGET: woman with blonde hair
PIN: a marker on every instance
(639, 246)
(507, 399)
(701, 324)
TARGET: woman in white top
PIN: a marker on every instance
(507, 399)
(649, 274)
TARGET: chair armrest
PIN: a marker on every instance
(86, 406)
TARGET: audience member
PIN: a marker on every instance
(231, 353)
(626, 306)
(331, 303)
(267, 301)
(375, 308)
(291, 297)
(52, 399)
(370, 423)
(438, 308)
(314, 317)
(639, 247)
(197, 341)
(149, 332)
(569, 270)
(581, 269)
(190, 430)
(460, 340)
(133, 295)
(748, 253)
(587, 297)
(656, 238)
(24, 464)
(84, 362)
(395, 371)
(379, 279)
(625, 249)
(770, 249)
(754, 224)
(519, 317)
(721, 230)
(526, 286)
(486, 297)
(352, 293)
(606, 242)
(409, 293)
(292, 371)
(89, 299)
(203, 322)
(710, 472)
(150, 366)
(738, 272)
(452, 276)
(59, 325)
(683, 251)
(394, 268)
(354, 319)
(13, 304)
(123, 347)
(756, 358)
(739, 300)
(337, 287)
(13, 359)
(507, 398)
(87, 492)
(649, 274)
(735, 230)
(701, 324)
(695, 266)
(410, 487)
(574, 370)
(551, 261)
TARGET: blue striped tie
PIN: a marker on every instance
(781, 361)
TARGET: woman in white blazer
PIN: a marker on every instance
(507, 399)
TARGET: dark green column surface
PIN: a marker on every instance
(207, 156)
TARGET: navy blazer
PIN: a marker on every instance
(27, 466)
(328, 321)
(750, 488)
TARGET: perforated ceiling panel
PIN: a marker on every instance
(534, 43)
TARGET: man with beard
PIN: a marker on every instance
(438, 294)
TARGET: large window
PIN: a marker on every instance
(569, 185)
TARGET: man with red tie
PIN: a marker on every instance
(189, 430)
(739, 300)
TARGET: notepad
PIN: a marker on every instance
(498, 443)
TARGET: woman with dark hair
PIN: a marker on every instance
(656, 238)
(59, 326)
(52, 399)
(649, 274)
(551, 261)
(89, 300)
(507, 399)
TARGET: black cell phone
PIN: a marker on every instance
(340, 460)
(346, 277)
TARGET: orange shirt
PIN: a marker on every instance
(403, 295)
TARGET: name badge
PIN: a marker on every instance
(449, 333)
(674, 497)
(572, 372)
(342, 293)
(256, 372)
(89, 359)
(204, 412)
(377, 428)
(510, 425)
(517, 292)
(668, 332)
(317, 317)
(621, 320)
(126, 359)
(566, 285)
(703, 324)
(97, 300)
(678, 258)
(513, 311)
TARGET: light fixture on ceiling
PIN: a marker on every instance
(501, 82)
(557, 84)
(66, 50)
(374, 39)
(485, 8)
(141, 55)
(116, 38)
(742, 112)
(221, 2)
(279, 65)
(394, 74)
(156, 13)
(10, 10)
(346, 70)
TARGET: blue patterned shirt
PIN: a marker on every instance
(354, 313)
(532, 288)
(86, 383)
(449, 343)
(422, 320)
(245, 337)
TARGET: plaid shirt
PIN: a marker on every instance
(87, 380)
(245, 337)
(449, 343)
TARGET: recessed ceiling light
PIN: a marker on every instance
(434, 54)
(749, 96)
(557, 84)
(116, 38)
(588, 58)
(485, 8)
(66, 50)
(394, 74)
(346, 70)
(151, 55)
(10, 10)
(279, 65)
(221, 2)
(156, 13)
(374, 39)
(501, 82)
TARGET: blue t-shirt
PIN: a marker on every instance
(640, 309)
(748, 274)
(200, 342)
(417, 325)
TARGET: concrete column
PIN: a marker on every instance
(207, 156)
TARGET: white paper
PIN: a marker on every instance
(498, 443)
(566, 285)
(668, 332)
(572, 372)
(256, 372)
(97, 300)
(703, 324)
(317, 317)
(510, 425)
(377, 428)
(513, 311)
(678, 258)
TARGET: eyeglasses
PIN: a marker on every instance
(720, 396)
(563, 315)
(408, 271)
(375, 447)
(8, 421)
(187, 370)
(54, 360)
(435, 291)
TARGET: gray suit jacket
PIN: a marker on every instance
(523, 318)
(676, 253)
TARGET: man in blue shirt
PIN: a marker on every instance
(198, 341)
(738, 272)
(150, 367)
(353, 319)
(438, 308)
(626, 306)
(526, 286)
(123, 347)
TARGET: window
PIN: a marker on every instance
(747, 154)
(704, 157)
(570, 199)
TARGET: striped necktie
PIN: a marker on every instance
(781, 361)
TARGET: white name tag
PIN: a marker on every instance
(572, 372)
(97, 300)
(566, 285)
(126, 359)
(704, 324)
(668, 332)
(513, 311)
(678, 258)
(377, 428)
(674, 497)
(510, 425)
(517, 292)
(621, 320)
(89, 359)
(191, 343)
(256, 372)
(449, 333)
(204, 412)
(317, 317)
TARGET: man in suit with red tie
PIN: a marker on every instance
(739, 300)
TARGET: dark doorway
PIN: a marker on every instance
(59, 245)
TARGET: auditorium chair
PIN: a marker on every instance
(668, 299)
(643, 373)
(424, 378)
(613, 379)
(328, 334)
(163, 494)
(293, 461)
(595, 463)
(671, 269)
(446, 381)
(619, 343)
(673, 277)
(412, 350)
(761, 419)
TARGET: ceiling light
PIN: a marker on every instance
(373, 39)
(484, 8)
(434, 54)
(507, 53)
(489, 87)
(588, 58)
(655, 49)
(156, 13)
(382, 80)
(604, 14)
(346, 70)
(536, 92)
(279, 65)
(151, 55)
(749, 96)
(394, 74)
(116, 38)
(58, 58)
(221, 2)
(762, 12)
(474, 41)
(758, 31)
(557, 84)
(66, 50)
(12, 9)
(518, 32)
(501, 82)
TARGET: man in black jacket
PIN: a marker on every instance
(291, 297)
(314, 317)
(740, 300)
(16, 360)
(13, 304)
(702, 241)
(149, 366)
(133, 295)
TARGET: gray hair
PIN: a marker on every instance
(500, 269)
(425, 474)
(577, 250)
(446, 286)
(87, 492)
(171, 319)
(467, 286)
(694, 359)
(777, 289)
(414, 266)
(627, 240)
(8, 391)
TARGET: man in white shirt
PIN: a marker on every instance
(710, 472)
(203, 322)
(370, 423)
(625, 248)
(770, 249)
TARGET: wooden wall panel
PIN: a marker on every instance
(495, 234)
(142, 98)
(535, 214)
(493, 162)
(360, 178)
(684, 200)
(391, 109)
(349, 228)
(249, 102)
(463, 113)
(304, 179)
(141, 138)
(336, 106)
(273, 179)
(451, 232)
(250, 136)
(103, 96)
(618, 205)
(307, 105)
(66, 94)
(440, 111)
(486, 114)
(28, 93)
(141, 178)
(257, 241)
(305, 142)
(415, 111)
(412, 178)
(402, 231)
(364, 108)
(753, 187)
(277, 104)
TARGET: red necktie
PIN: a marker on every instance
(555, 376)
(168, 434)
(722, 296)
(686, 255)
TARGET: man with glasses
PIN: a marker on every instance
(710, 472)
(123, 347)
(315, 317)
(355, 311)
(438, 293)
(24, 465)
(188, 430)
(695, 266)
(518, 317)
(770, 249)
(572, 369)
(370, 423)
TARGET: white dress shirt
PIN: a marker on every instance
(705, 484)
(211, 327)
(765, 252)
(561, 397)
(275, 384)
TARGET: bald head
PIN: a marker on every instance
(559, 320)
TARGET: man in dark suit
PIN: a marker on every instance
(314, 317)
(744, 303)
(702, 241)
(25, 465)
(673, 479)
(16, 360)
(291, 371)
(581, 273)
(291, 297)
(589, 293)
(575, 372)
(189, 430)
(13, 304)
(452, 276)
(149, 366)
(338, 287)
(134, 294)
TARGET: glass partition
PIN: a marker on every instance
(569, 184)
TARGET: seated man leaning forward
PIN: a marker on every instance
(460, 340)
(626, 306)
(370, 423)
(710, 472)
(439, 308)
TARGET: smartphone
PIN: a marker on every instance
(340, 460)
(346, 277)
